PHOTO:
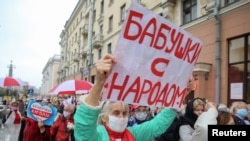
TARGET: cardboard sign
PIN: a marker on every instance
(40, 111)
(155, 58)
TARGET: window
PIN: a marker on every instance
(94, 15)
(239, 65)
(74, 69)
(92, 79)
(99, 53)
(87, 63)
(189, 10)
(110, 23)
(101, 29)
(109, 48)
(102, 7)
(123, 13)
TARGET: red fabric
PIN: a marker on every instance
(9, 81)
(59, 129)
(72, 87)
(17, 119)
(32, 132)
(134, 106)
(124, 136)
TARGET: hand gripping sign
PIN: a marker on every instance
(40, 111)
(155, 58)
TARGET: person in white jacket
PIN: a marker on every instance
(13, 122)
(184, 129)
(209, 117)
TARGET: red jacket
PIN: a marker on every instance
(32, 132)
(59, 130)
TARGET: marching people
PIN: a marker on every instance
(226, 118)
(63, 127)
(139, 114)
(36, 130)
(13, 121)
(239, 109)
(213, 115)
(184, 130)
(168, 135)
(208, 117)
(107, 121)
(14, 116)
(2, 115)
(22, 110)
(21, 104)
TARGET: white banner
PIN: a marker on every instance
(154, 61)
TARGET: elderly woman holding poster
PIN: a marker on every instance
(97, 121)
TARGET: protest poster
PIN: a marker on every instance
(155, 58)
(41, 111)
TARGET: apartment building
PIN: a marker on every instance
(222, 72)
(50, 74)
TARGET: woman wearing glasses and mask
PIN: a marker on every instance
(139, 114)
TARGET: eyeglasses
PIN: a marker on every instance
(137, 111)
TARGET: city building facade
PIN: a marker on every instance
(222, 72)
(50, 74)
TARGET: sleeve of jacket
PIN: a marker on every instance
(46, 135)
(85, 120)
(201, 125)
(154, 127)
(54, 128)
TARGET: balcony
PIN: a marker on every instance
(97, 41)
(76, 57)
(84, 52)
(85, 29)
(66, 65)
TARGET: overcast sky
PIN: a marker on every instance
(29, 35)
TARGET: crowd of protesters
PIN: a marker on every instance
(13, 115)
(120, 121)
(88, 119)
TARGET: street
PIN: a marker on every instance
(9, 133)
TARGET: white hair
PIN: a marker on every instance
(106, 108)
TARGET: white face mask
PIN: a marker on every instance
(117, 124)
(65, 114)
(141, 116)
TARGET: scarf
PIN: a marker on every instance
(124, 136)
(17, 119)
